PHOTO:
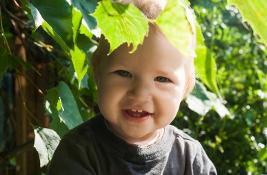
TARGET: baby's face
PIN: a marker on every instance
(140, 93)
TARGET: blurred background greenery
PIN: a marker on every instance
(37, 80)
(237, 143)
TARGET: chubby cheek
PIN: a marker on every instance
(168, 104)
(109, 95)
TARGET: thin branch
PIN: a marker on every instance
(31, 116)
(3, 32)
(16, 4)
(14, 16)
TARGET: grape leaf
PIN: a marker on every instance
(45, 142)
(121, 23)
(58, 14)
(68, 111)
(201, 101)
(176, 24)
(254, 12)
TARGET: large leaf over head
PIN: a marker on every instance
(254, 12)
(121, 23)
(177, 25)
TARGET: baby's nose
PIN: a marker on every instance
(141, 90)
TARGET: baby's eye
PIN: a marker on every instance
(123, 73)
(163, 79)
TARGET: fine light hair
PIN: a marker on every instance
(151, 9)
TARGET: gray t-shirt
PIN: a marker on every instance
(92, 149)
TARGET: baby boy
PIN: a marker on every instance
(138, 97)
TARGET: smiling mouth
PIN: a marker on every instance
(137, 113)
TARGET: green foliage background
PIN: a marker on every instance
(226, 111)
(236, 143)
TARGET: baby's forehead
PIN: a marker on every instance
(153, 54)
(155, 43)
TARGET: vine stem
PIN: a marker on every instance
(3, 32)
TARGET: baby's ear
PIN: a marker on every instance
(191, 79)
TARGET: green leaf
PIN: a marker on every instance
(58, 14)
(39, 21)
(201, 101)
(49, 30)
(87, 8)
(37, 17)
(45, 142)
(62, 106)
(76, 23)
(85, 31)
(176, 24)
(121, 24)
(263, 154)
(79, 61)
(205, 63)
(69, 111)
(51, 105)
(254, 12)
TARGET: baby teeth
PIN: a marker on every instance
(136, 110)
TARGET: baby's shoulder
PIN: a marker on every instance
(179, 134)
(184, 141)
(82, 134)
(190, 152)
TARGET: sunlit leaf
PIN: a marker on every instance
(201, 101)
(45, 142)
(85, 31)
(254, 12)
(55, 36)
(121, 24)
(263, 154)
(76, 23)
(38, 19)
(79, 61)
(176, 24)
(205, 63)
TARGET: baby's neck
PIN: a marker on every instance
(151, 140)
(141, 142)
